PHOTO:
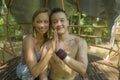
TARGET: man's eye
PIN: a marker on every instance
(54, 22)
(46, 22)
(62, 20)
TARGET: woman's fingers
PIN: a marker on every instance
(44, 49)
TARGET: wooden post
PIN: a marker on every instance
(3, 57)
(78, 5)
(46, 3)
(10, 3)
(78, 10)
(63, 5)
(6, 22)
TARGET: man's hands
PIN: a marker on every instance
(58, 51)
(56, 40)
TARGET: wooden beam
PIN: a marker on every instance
(63, 5)
(46, 3)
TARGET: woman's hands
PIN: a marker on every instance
(55, 46)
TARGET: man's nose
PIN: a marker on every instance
(59, 23)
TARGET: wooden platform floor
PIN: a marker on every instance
(98, 69)
(7, 70)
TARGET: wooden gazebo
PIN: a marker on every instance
(10, 50)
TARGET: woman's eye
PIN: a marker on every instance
(38, 21)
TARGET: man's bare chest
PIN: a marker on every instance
(70, 47)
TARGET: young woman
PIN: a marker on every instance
(33, 63)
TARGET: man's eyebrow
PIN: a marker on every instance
(53, 19)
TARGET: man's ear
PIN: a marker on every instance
(68, 22)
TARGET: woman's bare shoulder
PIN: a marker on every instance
(28, 40)
(28, 37)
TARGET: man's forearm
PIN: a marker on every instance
(77, 66)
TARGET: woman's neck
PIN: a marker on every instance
(40, 38)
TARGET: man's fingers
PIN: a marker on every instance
(56, 40)
(55, 35)
(53, 45)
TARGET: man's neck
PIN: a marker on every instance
(64, 36)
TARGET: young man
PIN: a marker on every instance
(70, 55)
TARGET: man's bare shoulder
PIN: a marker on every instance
(78, 39)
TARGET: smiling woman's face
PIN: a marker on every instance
(41, 22)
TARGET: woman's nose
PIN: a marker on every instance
(41, 24)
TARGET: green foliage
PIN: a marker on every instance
(6, 30)
(1, 21)
(86, 20)
(105, 32)
(2, 28)
(88, 31)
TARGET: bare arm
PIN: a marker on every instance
(28, 48)
(43, 76)
(80, 63)
(35, 67)
(43, 63)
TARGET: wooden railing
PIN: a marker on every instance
(10, 50)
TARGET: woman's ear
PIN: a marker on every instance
(33, 24)
(68, 22)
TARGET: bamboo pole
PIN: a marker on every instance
(10, 3)
(78, 10)
(78, 5)
(63, 7)
(46, 3)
